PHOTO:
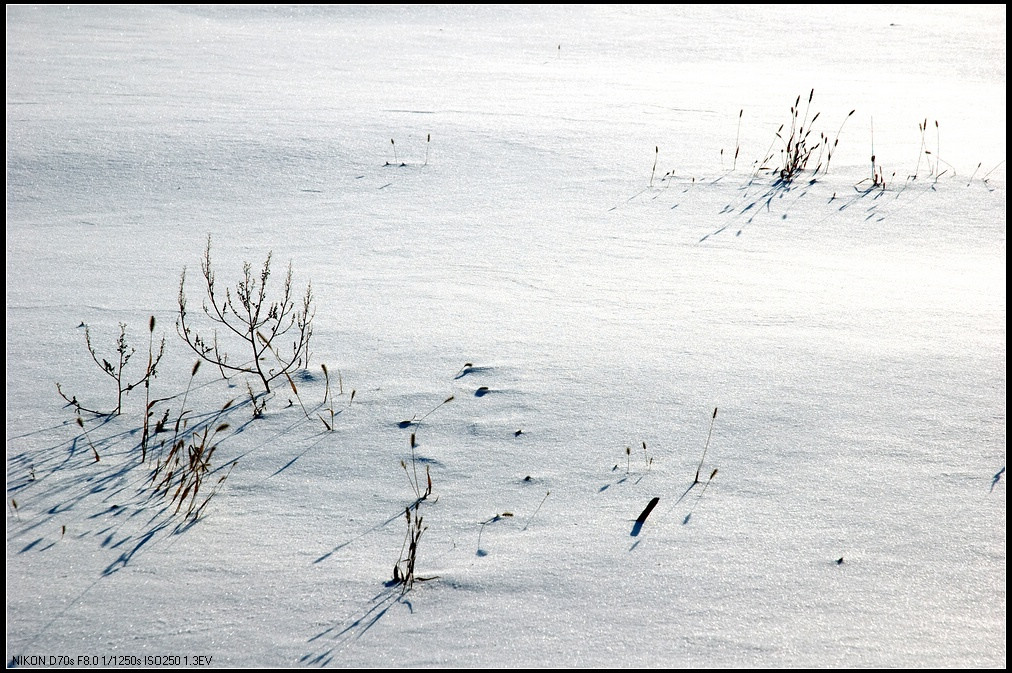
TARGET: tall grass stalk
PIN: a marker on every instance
(707, 446)
(547, 493)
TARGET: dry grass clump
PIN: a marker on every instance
(798, 146)
(404, 569)
(185, 468)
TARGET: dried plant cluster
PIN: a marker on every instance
(185, 468)
(273, 332)
(248, 318)
(797, 145)
(115, 369)
(404, 569)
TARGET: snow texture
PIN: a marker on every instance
(470, 192)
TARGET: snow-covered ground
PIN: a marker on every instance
(474, 185)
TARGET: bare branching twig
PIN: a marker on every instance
(245, 315)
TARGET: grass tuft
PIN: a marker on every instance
(185, 468)
(798, 145)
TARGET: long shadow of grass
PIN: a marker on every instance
(111, 501)
(114, 497)
(759, 195)
(334, 637)
(399, 515)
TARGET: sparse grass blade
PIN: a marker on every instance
(548, 493)
(295, 390)
(707, 446)
(94, 451)
(737, 140)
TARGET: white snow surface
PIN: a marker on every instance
(852, 340)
